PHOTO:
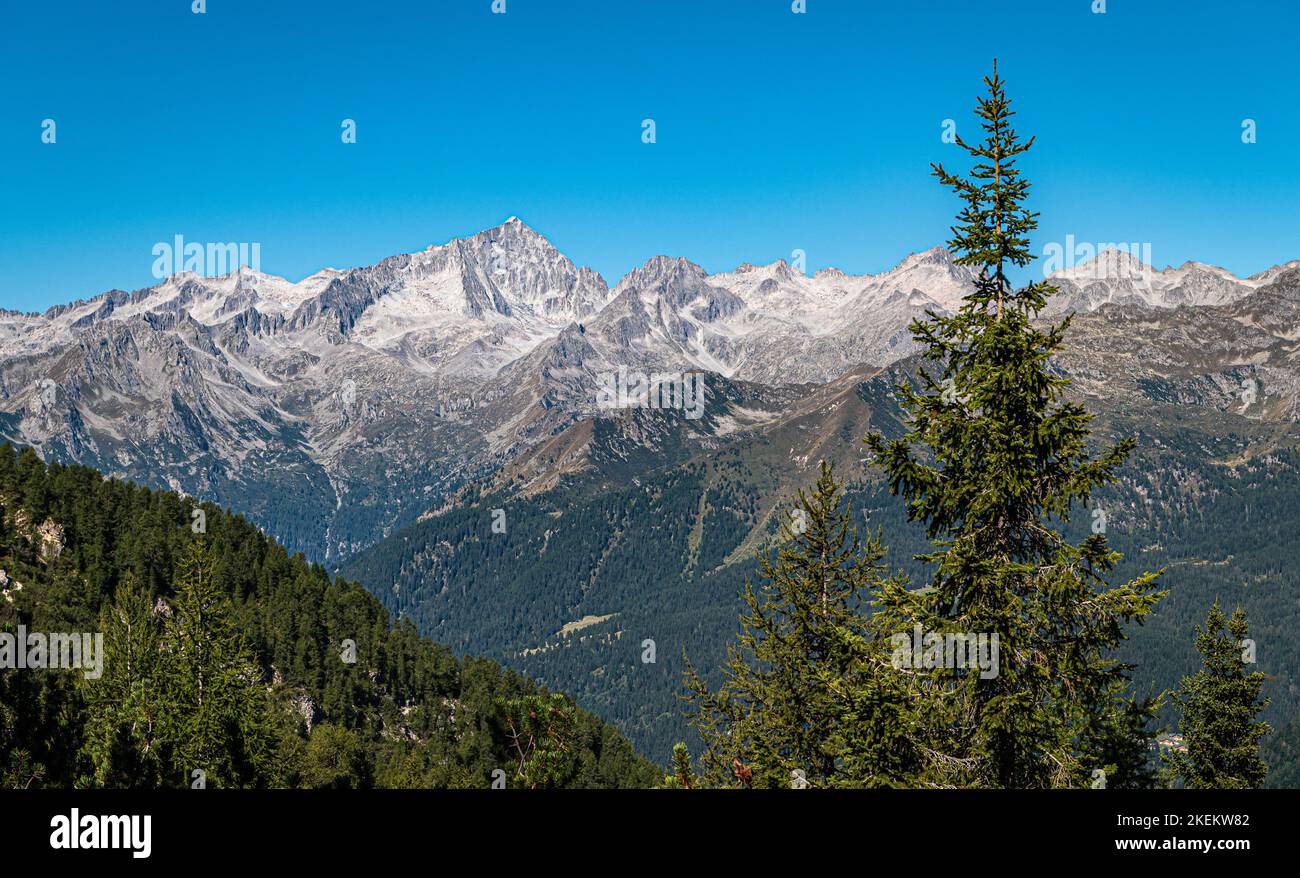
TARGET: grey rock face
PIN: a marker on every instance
(336, 408)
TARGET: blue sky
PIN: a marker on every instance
(775, 131)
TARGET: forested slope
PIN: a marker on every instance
(212, 631)
(662, 555)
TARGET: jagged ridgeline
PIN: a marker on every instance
(223, 655)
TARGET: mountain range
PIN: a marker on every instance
(373, 394)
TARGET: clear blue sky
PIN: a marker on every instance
(775, 131)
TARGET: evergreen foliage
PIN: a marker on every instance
(807, 691)
(224, 654)
(994, 459)
(1220, 704)
(539, 729)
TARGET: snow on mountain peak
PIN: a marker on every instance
(658, 269)
(933, 256)
(1267, 275)
(476, 303)
(1117, 276)
(1110, 264)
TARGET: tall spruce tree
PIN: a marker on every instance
(805, 662)
(993, 460)
(216, 706)
(1220, 704)
(124, 724)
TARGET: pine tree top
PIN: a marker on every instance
(992, 229)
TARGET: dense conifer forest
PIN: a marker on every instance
(229, 663)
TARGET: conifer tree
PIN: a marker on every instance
(334, 759)
(207, 631)
(19, 772)
(803, 662)
(124, 724)
(539, 731)
(216, 705)
(1220, 704)
(682, 776)
(992, 462)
